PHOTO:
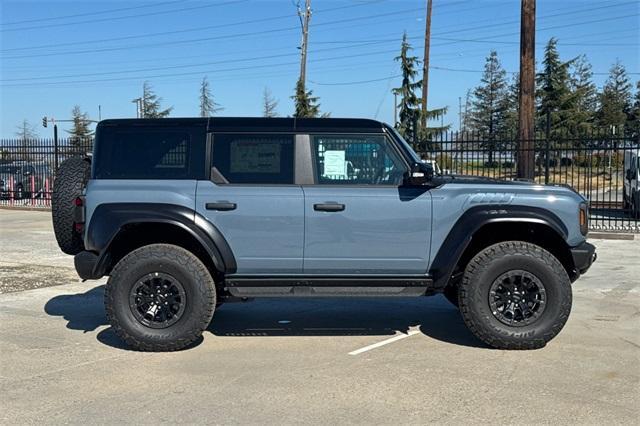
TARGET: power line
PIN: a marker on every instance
(77, 15)
(92, 21)
(219, 37)
(183, 31)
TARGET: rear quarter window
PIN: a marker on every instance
(142, 153)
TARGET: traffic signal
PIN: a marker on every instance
(44, 121)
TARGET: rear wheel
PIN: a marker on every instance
(515, 295)
(160, 298)
(70, 180)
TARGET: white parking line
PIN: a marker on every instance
(384, 342)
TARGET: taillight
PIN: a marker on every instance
(583, 217)
(79, 202)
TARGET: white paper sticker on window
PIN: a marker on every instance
(334, 164)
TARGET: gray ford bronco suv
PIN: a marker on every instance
(186, 214)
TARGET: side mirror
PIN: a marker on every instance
(419, 174)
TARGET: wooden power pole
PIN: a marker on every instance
(526, 130)
(425, 67)
(305, 17)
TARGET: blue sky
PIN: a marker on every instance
(58, 54)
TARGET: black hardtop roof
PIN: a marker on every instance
(255, 124)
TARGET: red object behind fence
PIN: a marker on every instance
(10, 190)
(33, 190)
(47, 194)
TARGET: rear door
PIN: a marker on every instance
(360, 219)
(253, 200)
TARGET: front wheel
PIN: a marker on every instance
(160, 297)
(515, 295)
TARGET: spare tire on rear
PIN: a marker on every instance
(70, 180)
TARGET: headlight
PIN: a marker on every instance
(583, 217)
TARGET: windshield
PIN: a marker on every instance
(405, 145)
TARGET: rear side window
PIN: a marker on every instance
(252, 159)
(149, 154)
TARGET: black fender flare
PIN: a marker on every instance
(475, 218)
(110, 219)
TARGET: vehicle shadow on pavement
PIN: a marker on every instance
(433, 316)
(82, 311)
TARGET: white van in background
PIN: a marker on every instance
(631, 187)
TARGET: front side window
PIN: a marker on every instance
(356, 160)
(252, 159)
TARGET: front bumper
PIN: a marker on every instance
(583, 256)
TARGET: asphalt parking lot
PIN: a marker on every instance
(327, 361)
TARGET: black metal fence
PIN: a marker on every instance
(27, 168)
(601, 166)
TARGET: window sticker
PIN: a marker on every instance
(255, 157)
(335, 165)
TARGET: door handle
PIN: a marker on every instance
(222, 206)
(328, 207)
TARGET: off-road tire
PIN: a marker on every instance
(451, 294)
(70, 180)
(491, 263)
(188, 270)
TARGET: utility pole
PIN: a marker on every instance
(138, 102)
(526, 131)
(305, 17)
(425, 67)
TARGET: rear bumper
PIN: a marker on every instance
(583, 256)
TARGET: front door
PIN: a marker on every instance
(253, 201)
(359, 217)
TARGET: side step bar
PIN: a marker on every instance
(328, 286)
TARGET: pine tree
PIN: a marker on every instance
(634, 120)
(269, 104)
(489, 105)
(584, 97)
(81, 132)
(208, 106)
(554, 91)
(409, 104)
(511, 107)
(151, 103)
(26, 133)
(306, 104)
(615, 99)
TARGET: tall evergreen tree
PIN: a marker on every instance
(269, 104)
(208, 106)
(554, 91)
(511, 100)
(151, 103)
(26, 133)
(584, 97)
(615, 99)
(634, 121)
(489, 105)
(81, 132)
(409, 104)
(306, 104)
